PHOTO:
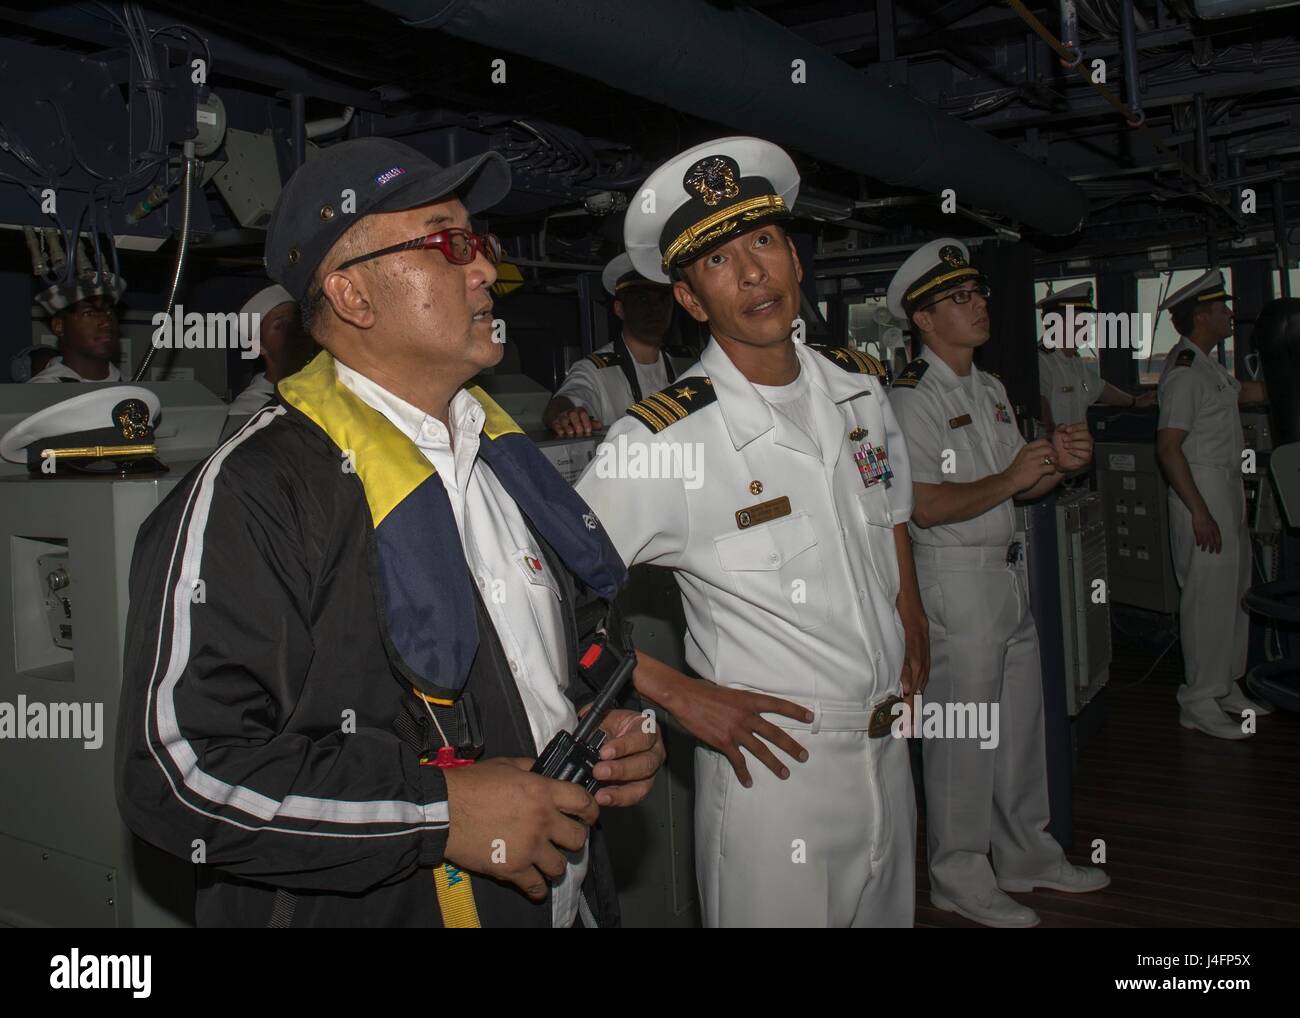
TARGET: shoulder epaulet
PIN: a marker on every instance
(849, 359)
(911, 375)
(674, 402)
(1185, 359)
(601, 360)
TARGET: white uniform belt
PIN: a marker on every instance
(961, 556)
(826, 719)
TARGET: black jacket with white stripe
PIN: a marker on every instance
(257, 726)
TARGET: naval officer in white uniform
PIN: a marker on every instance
(1067, 382)
(1199, 443)
(784, 522)
(968, 463)
(601, 386)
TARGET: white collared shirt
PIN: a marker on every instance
(1069, 383)
(57, 371)
(521, 597)
(797, 601)
(954, 436)
(256, 395)
(1198, 395)
(604, 392)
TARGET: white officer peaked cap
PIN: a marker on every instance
(703, 197)
(620, 273)
(1201, 290)
(928, 271)
(110, 415)
(1079, 295)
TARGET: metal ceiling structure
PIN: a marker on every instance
(1178, 110)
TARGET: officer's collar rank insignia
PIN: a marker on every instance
(912, 374)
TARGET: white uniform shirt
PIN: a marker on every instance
(522, 602)
(255, 396)
(1069, 383)
(954, 436)
(604, 392)
(800, 605)
(57, 371)
(1198, 395)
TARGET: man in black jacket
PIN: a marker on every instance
(368, 586)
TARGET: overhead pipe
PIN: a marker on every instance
(1128, 42)
(735, 67)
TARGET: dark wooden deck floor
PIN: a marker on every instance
(1198, 831)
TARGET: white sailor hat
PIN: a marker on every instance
(619, 274)
(703, 197)
(261, 304)
(113, 423)
(1202, 290)
(939, 265)
(1078, 296)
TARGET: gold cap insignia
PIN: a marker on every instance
(713, 178)
(132, 418)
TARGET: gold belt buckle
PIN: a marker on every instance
(882, 717)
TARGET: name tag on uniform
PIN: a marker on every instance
(1067, 388)
(764, 512)
(959, 422)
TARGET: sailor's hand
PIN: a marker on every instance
(1146, 399)
(729, 719)
(514, 826)
(1032, 463)
(1206, 532)
(575, 423)
(916, 655)
(1072, 446)
(631, 756)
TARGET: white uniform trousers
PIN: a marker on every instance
(984, 649)
(832, 845)
(1213, 626)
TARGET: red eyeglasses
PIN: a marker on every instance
(460, 247)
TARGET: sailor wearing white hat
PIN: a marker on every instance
(601, 386)
(1199, 442)
(788, 540)
(1068, 383)
(968, 463)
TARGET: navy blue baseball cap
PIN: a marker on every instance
(385, 176)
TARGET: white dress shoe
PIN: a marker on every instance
(1220, 727)
(992, 908)
(1075, 879)
(1238, 703)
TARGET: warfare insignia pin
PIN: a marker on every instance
(857, 434)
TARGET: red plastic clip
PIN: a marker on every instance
(446, 757)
